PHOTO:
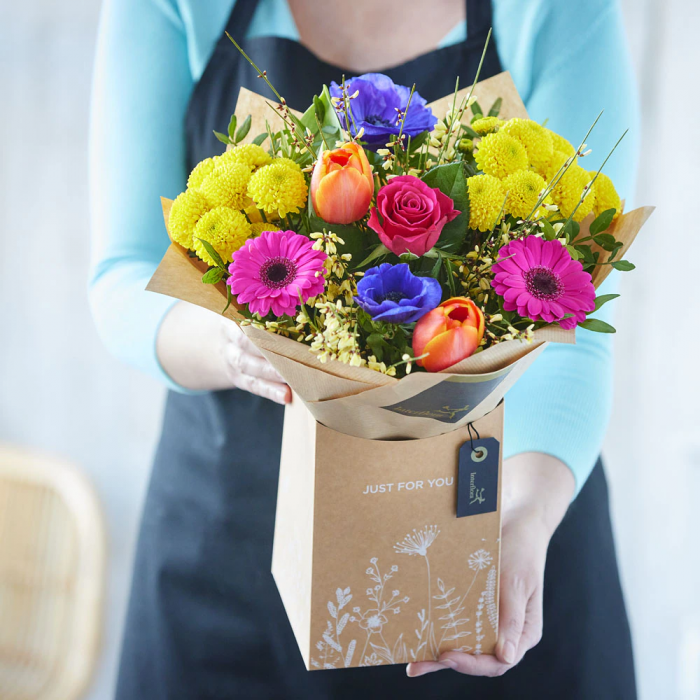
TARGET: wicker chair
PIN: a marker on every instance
(52, 566)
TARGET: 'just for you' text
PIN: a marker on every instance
(402, 486)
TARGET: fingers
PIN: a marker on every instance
(279, 393)
(470, 665)
(515, 594)
(532, 629)
(242, 362)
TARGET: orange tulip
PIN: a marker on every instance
(342, 184)
(449, 334)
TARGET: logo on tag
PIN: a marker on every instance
(477, 483)
(448, 401)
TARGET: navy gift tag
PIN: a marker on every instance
(477, 482)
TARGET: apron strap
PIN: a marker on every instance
(240, 18)
(479, 19)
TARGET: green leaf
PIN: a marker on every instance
(232, 127)
(222, 137)
(213, 254)
(450, 277)
(319, 108)
(549, 233)
(574, 252)
(229, 299)
(243, 131)
(496, 107)
(436, 267)
(330, 118)
(604, 299)
(450, 180)
(213, 276)
(376, 342)
(623, 265)
(258, 140)
(606, 241)
(477, 111)
(602, 221)
(571, 230)
(596, 325)
(378, 252)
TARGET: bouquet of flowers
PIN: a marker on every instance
(383, 236)
(400, 264)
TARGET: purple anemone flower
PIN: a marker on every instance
(392, 293)
(375, 109)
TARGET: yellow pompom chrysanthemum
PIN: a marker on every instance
(500, 155)
(606, 196)
(227, 186)
(568, 191)
(200, 171)
(257, 229)
(561, 144)
(278, 189)
(486, 125)
(524, 189)
(187, 210)
(486, 195)
(536, 139)
(248, 154)
(288, 162)
(555, 163)
(225, 229)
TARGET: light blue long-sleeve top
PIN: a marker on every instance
(569, 61)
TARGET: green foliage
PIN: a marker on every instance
(596, 325)
(623, 265)
(604, 299)
(450, 180)
(213, 254)
(243, 131)
(602, 222)
(213, 276)
(232, 127)
(222, 137)
(496, 107)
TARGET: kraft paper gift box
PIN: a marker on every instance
(371, 561)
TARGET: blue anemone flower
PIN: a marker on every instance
(374, 109)
(392, 293)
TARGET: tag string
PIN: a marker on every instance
(471, 427)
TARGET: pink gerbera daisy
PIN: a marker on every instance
(274, 270)
(541, 281)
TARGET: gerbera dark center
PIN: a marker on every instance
(277, 272)
(376, 120)
(543, 283)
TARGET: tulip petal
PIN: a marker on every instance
(449, 348)
(432, 324)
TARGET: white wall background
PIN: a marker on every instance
(60, 391)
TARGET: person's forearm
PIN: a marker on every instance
(190, 346)
(537, 484)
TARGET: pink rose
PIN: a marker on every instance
(409, 215)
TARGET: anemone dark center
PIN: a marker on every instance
(277, 272)
(543, 283)
(393, 296)
(376, 120)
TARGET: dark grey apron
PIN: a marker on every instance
(205, 620)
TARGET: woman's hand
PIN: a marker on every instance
(204, 351)
(537, 489)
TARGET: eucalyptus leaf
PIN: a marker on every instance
(596, 325)
(604, 299)
(213, 254)
(243, 131)
(232, 127)
(496, 107)
(602, 221)
(222, 137)
(213, 276)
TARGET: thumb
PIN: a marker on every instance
(515, 594)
